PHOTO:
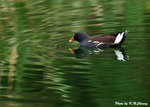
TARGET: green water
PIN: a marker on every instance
(37, 69)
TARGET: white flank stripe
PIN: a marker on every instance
(89, 41)
(119, 38)
(96, 42)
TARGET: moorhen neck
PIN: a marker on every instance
(80, 37)
(107, 40)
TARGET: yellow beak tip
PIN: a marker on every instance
(70, 40)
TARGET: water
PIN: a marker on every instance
(38, 67)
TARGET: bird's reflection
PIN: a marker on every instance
(85, 51)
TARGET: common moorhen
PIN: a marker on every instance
(107, 40)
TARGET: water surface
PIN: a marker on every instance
(38, 67)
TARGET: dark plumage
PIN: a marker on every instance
(107, 40)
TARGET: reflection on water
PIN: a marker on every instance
(37, 69)
(85, 51)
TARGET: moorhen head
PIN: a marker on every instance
(80, 37)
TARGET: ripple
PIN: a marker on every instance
(38, 69)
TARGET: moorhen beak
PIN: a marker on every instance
(107, 40)
(72, 39)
